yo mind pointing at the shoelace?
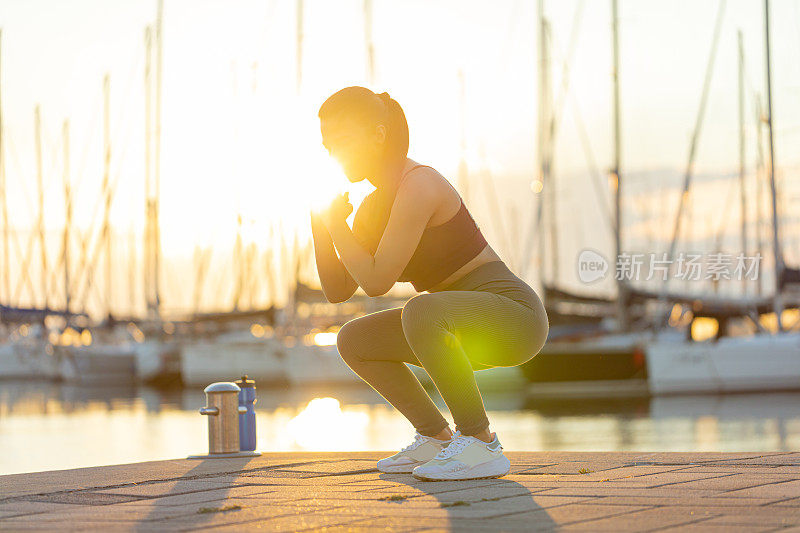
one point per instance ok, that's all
(458, 443)
(418, 439)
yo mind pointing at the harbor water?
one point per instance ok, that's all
(46, 426)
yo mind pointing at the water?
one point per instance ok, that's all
(47, 426)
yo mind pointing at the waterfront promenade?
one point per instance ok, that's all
(588, 491)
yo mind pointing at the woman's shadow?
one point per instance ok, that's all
(204, 496)
(498, 504)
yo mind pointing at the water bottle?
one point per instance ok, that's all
(247, 416)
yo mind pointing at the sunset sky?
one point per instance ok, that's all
(239, 139)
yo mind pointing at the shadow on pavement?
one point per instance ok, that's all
(494, 504)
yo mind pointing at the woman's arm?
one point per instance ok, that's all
(414, 204)
(337, 284)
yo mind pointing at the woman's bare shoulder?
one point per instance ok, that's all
(429, 181)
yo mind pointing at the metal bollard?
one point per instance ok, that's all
(222, 409)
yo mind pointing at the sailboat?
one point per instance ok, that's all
(594, 355)
(764, 361)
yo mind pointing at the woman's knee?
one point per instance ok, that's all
(347, 341)
(419, 313)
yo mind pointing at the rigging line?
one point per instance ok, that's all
(112, 189)
(83, 269)
(494, 204)
(34, 232)
(512, 26)
(26, 275)
(15, 233)
(732, 187)
(591, 162)
(25, 267)
(94, 122)
(135, 64)
(552, 126)
(697, 130)
(99, 202)
(89, 268)
(555, 118)
(797, 19)
(11, 147)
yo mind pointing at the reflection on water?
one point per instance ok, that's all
(47, 426)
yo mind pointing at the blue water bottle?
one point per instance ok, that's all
(247, 421)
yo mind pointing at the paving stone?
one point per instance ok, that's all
(756, 519)
(167, 488)
(603, 489)
(774, 490)
(791, 502)
(745, 469)
(639, 520)
(337, 467)
(21, 507)
(709, 526)
(681, 500)
(201, 496)
(730, 482)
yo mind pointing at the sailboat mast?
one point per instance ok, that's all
(299, 44)
(776, 248)
(759, 183)
(742, 147)
(40, 184)
(622, 294)
(157, 161)
(550, 189)
(148, 231)
(107, 186)
(544, 120)
(4, 204)
(238, 264)
(68, 221)
(370, 49)
(463, 173)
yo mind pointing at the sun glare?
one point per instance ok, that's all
(322, 426)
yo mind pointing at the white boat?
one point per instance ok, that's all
(229, 356)
(314, 364)
(97, 363)
(731, 364)
(29, 359)
(158, 361)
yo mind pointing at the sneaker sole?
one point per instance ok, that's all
(489, 470)
(400, 469)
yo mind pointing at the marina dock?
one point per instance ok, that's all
(591, 491)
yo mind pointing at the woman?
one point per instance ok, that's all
(477, 313)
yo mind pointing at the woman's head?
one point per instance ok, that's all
(366, 132)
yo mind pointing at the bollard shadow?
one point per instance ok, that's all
(196, 498)
(499, 504)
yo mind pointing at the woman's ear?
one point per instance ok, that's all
(380, 133)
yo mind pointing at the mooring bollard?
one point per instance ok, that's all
(247, 418)
(222, 409)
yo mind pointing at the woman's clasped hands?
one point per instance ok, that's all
(338, 210)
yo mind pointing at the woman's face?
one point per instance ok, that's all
(358, 149)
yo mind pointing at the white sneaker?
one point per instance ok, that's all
(422, 450)
(465, 458)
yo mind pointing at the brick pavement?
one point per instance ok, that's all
(587, 491)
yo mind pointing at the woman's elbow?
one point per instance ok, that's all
(378, 289)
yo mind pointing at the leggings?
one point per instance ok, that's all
(487, 318)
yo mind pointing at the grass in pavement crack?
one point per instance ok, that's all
(205, 510)
(454, 504)
(394, 498)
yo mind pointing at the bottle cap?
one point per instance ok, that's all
(245, 382)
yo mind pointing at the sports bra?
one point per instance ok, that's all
(442, 249)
